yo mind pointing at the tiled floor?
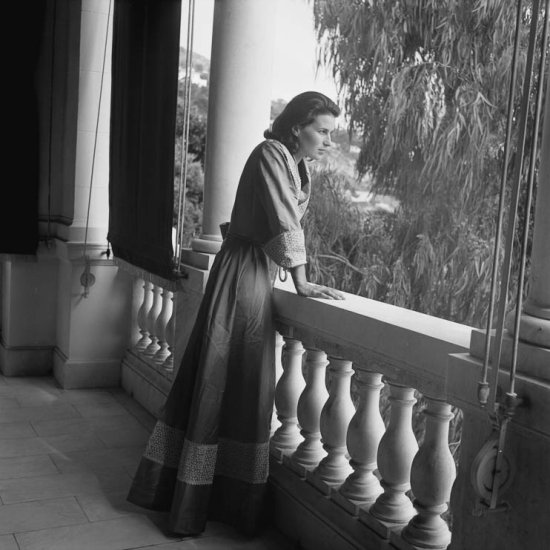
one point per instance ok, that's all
(66, 461)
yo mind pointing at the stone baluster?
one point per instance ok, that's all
(311, 401)
(137, 303)
(154, 312)
(395, 455)
(160, 327)
(170, 335)
(278, 373)
(364, 433)
(335, 418)
(288, 390)
(143, 316)
(432, 475)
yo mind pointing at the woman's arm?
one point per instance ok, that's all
(311, 290)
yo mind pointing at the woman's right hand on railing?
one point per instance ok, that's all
(311, 290)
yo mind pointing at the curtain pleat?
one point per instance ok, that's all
(145, 63)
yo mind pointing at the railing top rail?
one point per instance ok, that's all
(410, 347)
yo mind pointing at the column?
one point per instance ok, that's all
(91, 335)
(238, 107)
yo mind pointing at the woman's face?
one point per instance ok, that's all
(314, 139)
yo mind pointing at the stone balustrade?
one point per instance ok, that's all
(155, 324)
(350, 382)
(347, 383)
(345, 451)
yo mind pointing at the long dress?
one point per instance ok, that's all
(208, 454)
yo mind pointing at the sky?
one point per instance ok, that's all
(294, 64)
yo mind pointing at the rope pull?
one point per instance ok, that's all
(107, 252)
(87, 279)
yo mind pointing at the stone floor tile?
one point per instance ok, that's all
(17, 382)
(192, 543)
(103, 506)
(36, 397)
(125, 437)
(22, 447)
(27, 466)
(133, 407)
(225, 538)
(67, 443)
(60, 485)
(97, 424)
(43, 412)
(62, 426)
(116, 534)
(98, 460)
(40, 514)
(16, 430)
(8, 403)
(106, 409)
(7, 542)
(88, 396)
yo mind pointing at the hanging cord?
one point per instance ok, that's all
(511, 400)
(483, 385)
(502, 413)
(182, 187)
(512, 216)
(527, 207)
(87, 279)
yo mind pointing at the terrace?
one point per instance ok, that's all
(97, 339)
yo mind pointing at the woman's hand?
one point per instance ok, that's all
(311, 290)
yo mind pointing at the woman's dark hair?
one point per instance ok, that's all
(300, 111)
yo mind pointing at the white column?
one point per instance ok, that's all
(535, 318)
(91, 191)
(238, 107)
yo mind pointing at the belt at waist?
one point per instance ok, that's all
(248, 240)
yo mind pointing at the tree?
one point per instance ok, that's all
(425, 84)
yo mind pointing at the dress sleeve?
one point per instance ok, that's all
(278, 195)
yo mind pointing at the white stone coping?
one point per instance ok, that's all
(408, 347)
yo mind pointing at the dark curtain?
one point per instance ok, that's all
(143, 117)
(19, 197)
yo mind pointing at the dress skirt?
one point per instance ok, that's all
(208, 455)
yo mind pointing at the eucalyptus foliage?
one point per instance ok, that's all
(426, 86)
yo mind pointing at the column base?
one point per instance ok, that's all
(25, 361)
(533, 330)
(210, 244)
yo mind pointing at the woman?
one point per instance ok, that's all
(208, 455)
